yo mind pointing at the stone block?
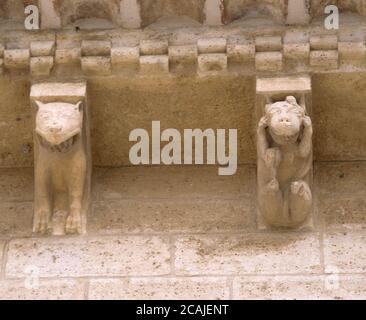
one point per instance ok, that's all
(269, 61)
(327, 59)
(207, 288)
(241, 52)
(344, 252)
(323, 287)
(42, 48)
(154, 47)
(41, 66)
(154, 64)
(16, 58)
(95, 48)
(351, 50)
(268, 44)
(172, 216)
(212, 45)
(296, 51)
(212, 62)
(68, 56)
(183, 54)
(83, 257)
(324, 43)
(44, 290)
(96, 66)
(125, 56)
(248, 254)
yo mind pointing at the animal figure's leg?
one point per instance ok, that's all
(300, 201)
(271, 203)
(76, 184)
(43, 201)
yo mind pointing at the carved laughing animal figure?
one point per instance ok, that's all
(285, 161)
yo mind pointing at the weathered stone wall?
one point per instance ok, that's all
(119, 105)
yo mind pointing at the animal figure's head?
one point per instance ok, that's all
(284, 120)
(58, 125)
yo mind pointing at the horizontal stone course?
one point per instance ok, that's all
(342, 213)
(345, 252)
(174, 182)
(341, 179)
(325, 51)
(330, 286)
(171, 216)
(206, 288)
(16, 219)
(269, 253)
(41, 290)
(81, 257)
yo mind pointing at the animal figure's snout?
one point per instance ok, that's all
(284, 120)
(55, 129)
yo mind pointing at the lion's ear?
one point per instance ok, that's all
(39, 104)
(79, 106)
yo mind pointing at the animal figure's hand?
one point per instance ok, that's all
(263, 123)
(306, 121)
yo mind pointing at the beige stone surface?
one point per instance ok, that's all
(205, 288)
(338, 102)
(16, 184)
(343, 213)
(45, 290)
(300, 287)
(248, 254)
(188, 182)
(345, 251)
(16, 219)
(171, 216)
(211, 103)
(341, 179)
(73, 257)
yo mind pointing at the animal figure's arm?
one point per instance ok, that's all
(305, 145)
(262, 143)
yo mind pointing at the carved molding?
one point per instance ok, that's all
(295, 52)
(62, 158)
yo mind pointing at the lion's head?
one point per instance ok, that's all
(284, 120)
(58, 125)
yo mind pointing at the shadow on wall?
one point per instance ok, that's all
(74, 10)
(357, 6)
(13, 9)
(236, 9)
(153, 10)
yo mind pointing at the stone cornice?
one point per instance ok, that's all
(206, 51)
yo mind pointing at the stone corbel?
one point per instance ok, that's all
(62, 158)
(285, 154)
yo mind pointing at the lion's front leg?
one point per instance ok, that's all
(76, 192)
(43, 202)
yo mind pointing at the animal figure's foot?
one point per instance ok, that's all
(73, 222)
(301, 189)
(300, 202)
(42, 223)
